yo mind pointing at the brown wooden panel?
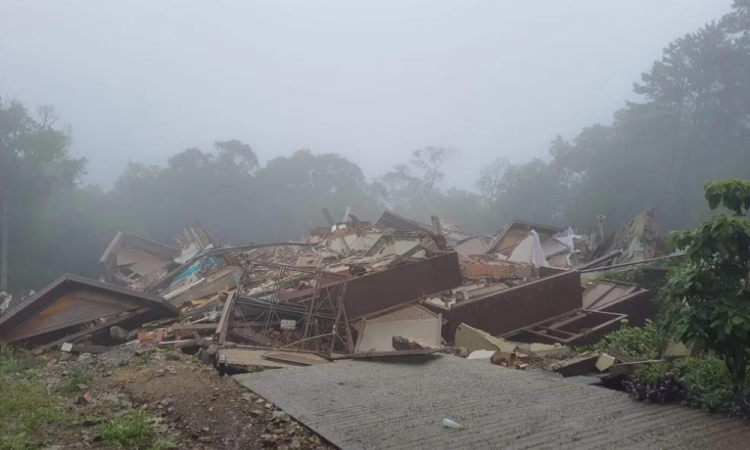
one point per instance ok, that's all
(76, 307)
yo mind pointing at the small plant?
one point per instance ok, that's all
(130, 431)
(77, 377)
(645, 342)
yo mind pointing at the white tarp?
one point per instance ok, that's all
(567, 238)
(530, 251)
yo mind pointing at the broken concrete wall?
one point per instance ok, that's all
(517, 307)
(413, 322)
(473, 246)
(498, 270)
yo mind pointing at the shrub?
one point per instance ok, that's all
(709, 290)
(645, 342)
(707, 382)
(655, 383)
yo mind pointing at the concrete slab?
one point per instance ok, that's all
(400, 404)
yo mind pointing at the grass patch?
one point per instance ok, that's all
(13, 361)
(25, 404)
(77, 376)
(25, 407)
(130, 431)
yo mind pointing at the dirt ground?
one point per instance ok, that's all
(192, 406)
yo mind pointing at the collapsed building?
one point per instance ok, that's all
(351, 289)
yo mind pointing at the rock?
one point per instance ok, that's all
(160, 373)
(295, 444)
(206, 429)
(118, 334)
(144, 351)
(256, 412)
(205, 439)
(82, 387)
(85, 357)
(280, 415)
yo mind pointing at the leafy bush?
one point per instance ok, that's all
(130, 431)
(653, 373)
(655, 382)
(645, 342)
(707, 382)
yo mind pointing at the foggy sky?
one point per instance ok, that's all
(371, 81)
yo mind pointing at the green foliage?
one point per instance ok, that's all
(25, 407)
(77, 376)
(710, 291)
(645, 342)
(13, 360)
(130, 431)
(654, 373)
(707, 382)
(733, 194)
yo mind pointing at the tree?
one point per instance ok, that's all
(34, 161)
(428, 162)
(409, 188)
(710, 291)
(491, 183)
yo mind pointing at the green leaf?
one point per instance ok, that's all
(713, 200)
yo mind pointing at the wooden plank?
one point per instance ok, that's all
(83, 348)
(194, 326)
(295, 358)
(226, 318)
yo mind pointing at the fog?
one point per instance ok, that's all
(371, 81)
(250, 117)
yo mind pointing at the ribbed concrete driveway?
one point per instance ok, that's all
(398, 405)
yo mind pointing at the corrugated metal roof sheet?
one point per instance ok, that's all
(453, 232)
(400, 405)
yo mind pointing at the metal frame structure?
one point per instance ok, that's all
(323, 324)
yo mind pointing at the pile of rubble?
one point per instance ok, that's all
(349, 290)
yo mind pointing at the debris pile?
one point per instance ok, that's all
(351, 289)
